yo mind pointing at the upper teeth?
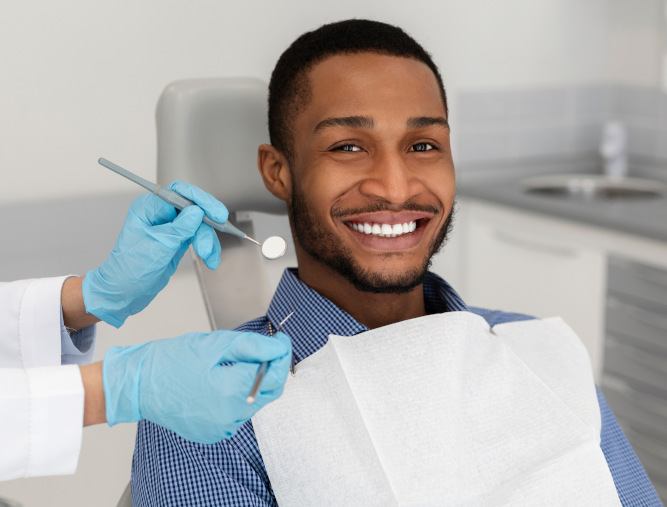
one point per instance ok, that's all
(384, 230)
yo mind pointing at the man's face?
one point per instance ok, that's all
(373, 178)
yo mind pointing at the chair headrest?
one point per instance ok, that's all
(208, 131)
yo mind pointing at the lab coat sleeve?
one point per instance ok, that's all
(31, 329)
(41, 402)
(41, 420)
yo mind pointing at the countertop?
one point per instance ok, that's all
(642, 217)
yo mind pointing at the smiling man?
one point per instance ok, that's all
(360, 152)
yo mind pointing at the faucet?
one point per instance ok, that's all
(613, 149)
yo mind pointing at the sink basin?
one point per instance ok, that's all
(594, 186)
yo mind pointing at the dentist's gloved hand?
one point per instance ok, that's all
(180, 383)
(148, 250)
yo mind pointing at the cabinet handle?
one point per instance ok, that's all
(538, 247)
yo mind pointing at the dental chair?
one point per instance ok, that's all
(208, 131)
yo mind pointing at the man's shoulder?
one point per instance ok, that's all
(494, 317)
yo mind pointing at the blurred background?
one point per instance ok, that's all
(559, 124)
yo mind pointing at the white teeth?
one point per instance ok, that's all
(384, 230)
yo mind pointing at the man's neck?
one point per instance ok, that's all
(370, 309)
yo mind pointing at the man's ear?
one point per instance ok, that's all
(275, 171)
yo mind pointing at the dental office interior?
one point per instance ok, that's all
(558, 114)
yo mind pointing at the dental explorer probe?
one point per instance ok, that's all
(272, 248)
(261, 371)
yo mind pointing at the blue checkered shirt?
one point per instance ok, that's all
(169, 471)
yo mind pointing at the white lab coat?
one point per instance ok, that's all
(41, 401)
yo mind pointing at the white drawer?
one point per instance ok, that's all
(646, 413)
(636, 325)
(644, 371)
(645, 284)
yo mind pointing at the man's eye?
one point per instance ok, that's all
(347, 147)
(422, 147)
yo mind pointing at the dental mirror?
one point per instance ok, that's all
(274, 247)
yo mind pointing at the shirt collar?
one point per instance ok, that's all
(315, 317)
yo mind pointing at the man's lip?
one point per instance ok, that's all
(388, 217)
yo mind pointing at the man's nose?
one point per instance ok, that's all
(390, 179)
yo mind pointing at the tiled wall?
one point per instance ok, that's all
(644, 111)
(551, 123)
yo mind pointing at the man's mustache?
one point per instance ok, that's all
(381, 206)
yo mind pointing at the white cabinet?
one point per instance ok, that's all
(514, 260)
(517, 262)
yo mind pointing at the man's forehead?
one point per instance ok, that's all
(346, 64)
(360, 83)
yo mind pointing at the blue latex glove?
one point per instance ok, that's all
(181, 384)
(148, 250)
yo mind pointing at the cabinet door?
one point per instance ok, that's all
(531, 270)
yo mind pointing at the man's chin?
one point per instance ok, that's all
(386, 282)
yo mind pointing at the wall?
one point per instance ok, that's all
(636, 42)
(500, 128)
(80, 79)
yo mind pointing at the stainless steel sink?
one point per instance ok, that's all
(594, 186)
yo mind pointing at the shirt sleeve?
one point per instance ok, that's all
(632, 484)
(76, 347)
(41, 420)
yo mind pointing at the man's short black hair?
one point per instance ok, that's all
(289, 89)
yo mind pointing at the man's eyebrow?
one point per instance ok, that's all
(426, 121)
(345, 121)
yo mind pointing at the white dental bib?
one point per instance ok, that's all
(438, 411)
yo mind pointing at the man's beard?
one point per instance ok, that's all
(325, 247)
